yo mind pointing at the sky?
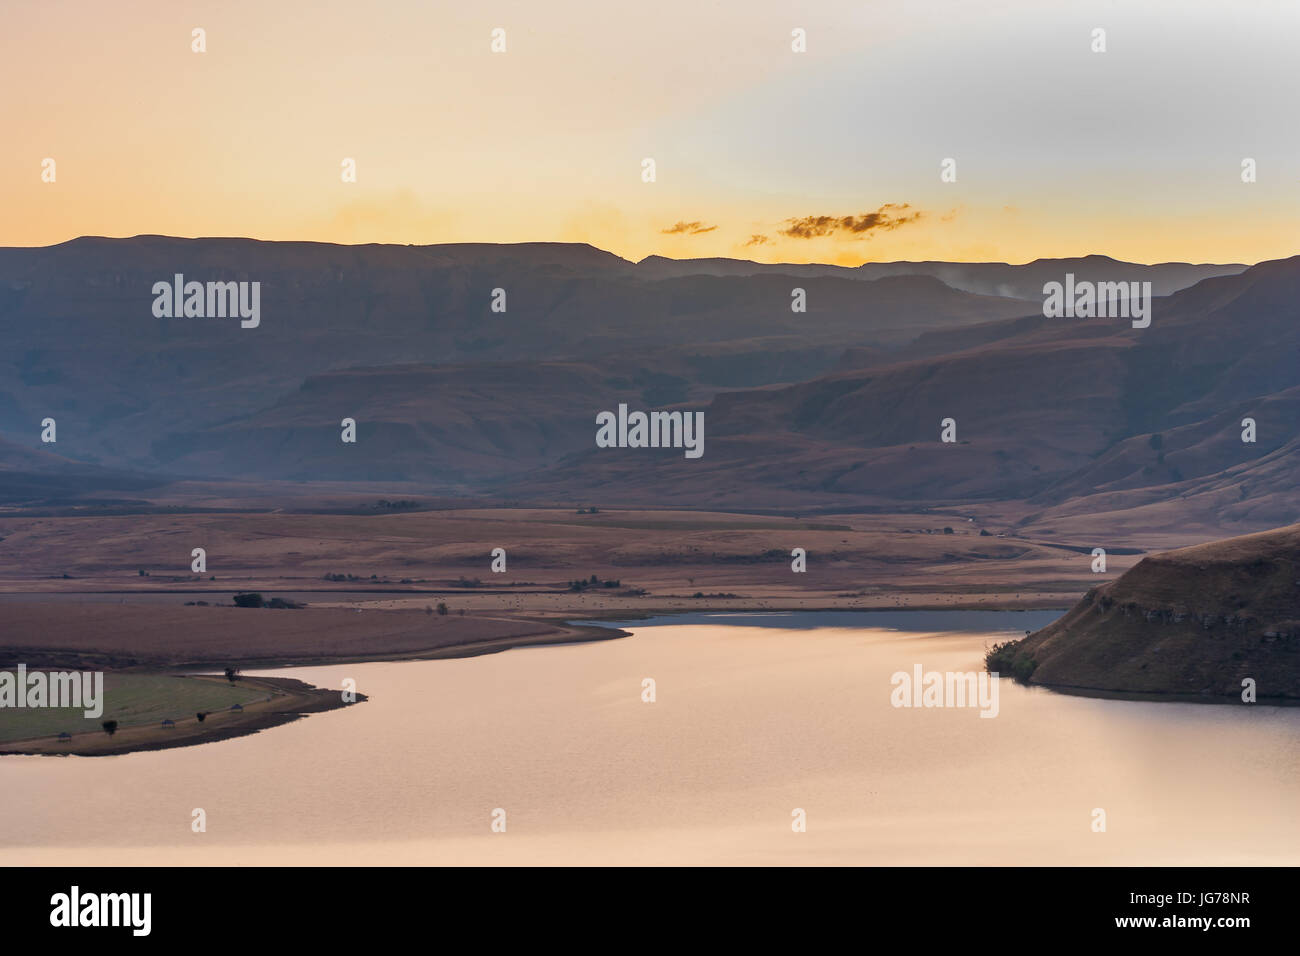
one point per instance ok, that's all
(834, 154)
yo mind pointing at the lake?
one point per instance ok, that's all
(755, 717)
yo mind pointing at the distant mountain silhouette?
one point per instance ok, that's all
(985, 278)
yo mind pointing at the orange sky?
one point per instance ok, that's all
(1135, 152)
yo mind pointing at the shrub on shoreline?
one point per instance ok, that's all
(1004, 658)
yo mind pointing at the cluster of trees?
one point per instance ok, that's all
(1005, 658)
(592, 582)
(255, 599)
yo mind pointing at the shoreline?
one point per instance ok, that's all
(1166, 697)
(288, 700)
(291, 699)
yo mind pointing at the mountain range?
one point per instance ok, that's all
(836, 407)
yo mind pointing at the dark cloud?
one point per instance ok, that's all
(888, 217)
(684, 228)
(756, 240)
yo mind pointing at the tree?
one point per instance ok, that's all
(110, 727)
(252, 599)
(201, 716)
(442, 607)
(232, 674)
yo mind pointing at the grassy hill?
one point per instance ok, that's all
(1196, 621)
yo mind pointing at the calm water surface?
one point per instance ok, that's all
(751, 722)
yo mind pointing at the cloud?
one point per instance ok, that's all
(756, 240)
(888, 217)
(683, 228)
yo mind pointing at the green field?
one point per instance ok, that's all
(130, 699)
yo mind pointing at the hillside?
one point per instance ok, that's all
(1195, 621)
(84, 346)
(1047, 410)
(1094, 423)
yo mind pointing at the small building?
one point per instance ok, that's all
(237, 707)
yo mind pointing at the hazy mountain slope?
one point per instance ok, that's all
(985, 278)
(447, 425)
(1258, 493)
(836, 407)
(1055, 408)
(85, 347)
(33, 475)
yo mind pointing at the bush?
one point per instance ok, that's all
(1023, 668)
(252, 599)
(593, 582)
(1005, 658)
(110, 727)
